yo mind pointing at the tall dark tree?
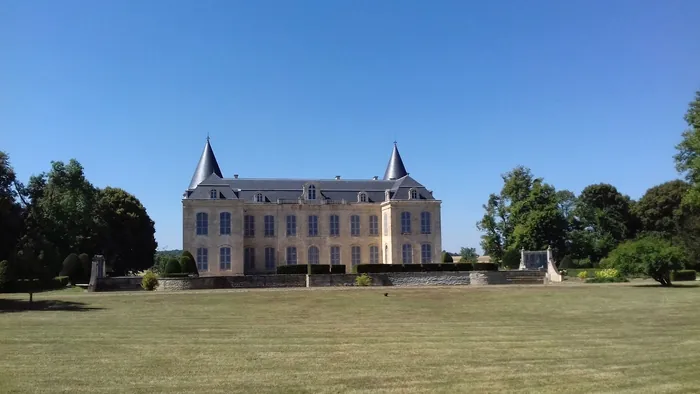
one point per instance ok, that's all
(126, 234)
(603, 218)
(659, 210)
(11, 213)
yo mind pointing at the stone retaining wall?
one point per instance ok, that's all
(454, 278)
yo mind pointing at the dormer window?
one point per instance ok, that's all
(362, 197)
(413, 194)
(213, 194)
(259, 197)
(311, 194)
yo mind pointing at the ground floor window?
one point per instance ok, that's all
(225, 259)
(202, 259)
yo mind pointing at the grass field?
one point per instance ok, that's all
(563, 338)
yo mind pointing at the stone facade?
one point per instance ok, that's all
(237, 226)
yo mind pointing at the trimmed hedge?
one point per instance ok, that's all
(485, 266)
(337, 269)
(682, 275)
(464, 267)
(386, 268)
(173, 267)
(447, 258)
(36, 285)
(448, 267)
(176, 275)
(187, 265)
(317, 269)
(291, 269)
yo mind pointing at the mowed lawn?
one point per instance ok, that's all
(536, 339)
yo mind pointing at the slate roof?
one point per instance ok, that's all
(395, 169)
(290, 190)
(207, 165)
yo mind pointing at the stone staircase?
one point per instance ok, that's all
(525, 277)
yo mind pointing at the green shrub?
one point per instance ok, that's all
(60, 282)
(372, 268)
(412, 268)
(71, 268)
(188, 254)
(650, 256)
(608, 273)
(447, 258)
(176, 275)
(173, 267)
(582, 275)
(6, 276)
(464, 267)
(448, 267)
(291, 269)
(683, 275)
(363, 280)
(430, 267)
(614, 279)
(86, 266)
(337, 269)
(187, 265)
(149, 281)
(485, 267)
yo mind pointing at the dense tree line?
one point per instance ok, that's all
(58, 220)
(583, 230)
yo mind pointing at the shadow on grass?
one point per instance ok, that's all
(10, 305)
(676, 285)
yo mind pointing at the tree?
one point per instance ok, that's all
(688, 156)
(525, 214)
(86, 266)
(125, 232)
(469, 255)
(11, 212)
(602, 219)
(659, 209)
(188, 265)
(651, 256)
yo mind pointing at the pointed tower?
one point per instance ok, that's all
(207, 165)
(395, 169)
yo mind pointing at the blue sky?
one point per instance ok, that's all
(579, 91)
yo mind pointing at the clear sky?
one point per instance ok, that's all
(579, 91)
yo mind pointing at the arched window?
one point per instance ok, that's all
(202, 223)
(259, 197)
(407, 254)
(413, 194)
(362, 197)
(355, 255)
(312, 192)
(313, 255)
(224, 258)
(374, 254)
(213, 194)
(335, 255)
(426, 254)
(291, 255)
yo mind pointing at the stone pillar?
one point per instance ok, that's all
(522, 259)
(97, 272)
(549, 254)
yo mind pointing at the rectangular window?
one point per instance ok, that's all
(249, 259)
(407, 254)
(270, 259)
(291, 255)
(335, 255)
(426, 254)
(373, 225)
(425, 222)
(291, 226)
(374, 254)
(224, 259)
(405, 222)
(355, 255)
(269, 226)
(334, 223)
(355, 225)
(249, 226)
(225, 223)
(313, 226)
(202, 223)
(386, 224)
(202, 259)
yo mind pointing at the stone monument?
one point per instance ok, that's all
(97, 272)
(535, 259)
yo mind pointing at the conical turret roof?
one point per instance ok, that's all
(395, 169)
(207, 165)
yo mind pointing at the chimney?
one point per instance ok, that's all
(235, 176)
(337, 177)
(374, 178)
